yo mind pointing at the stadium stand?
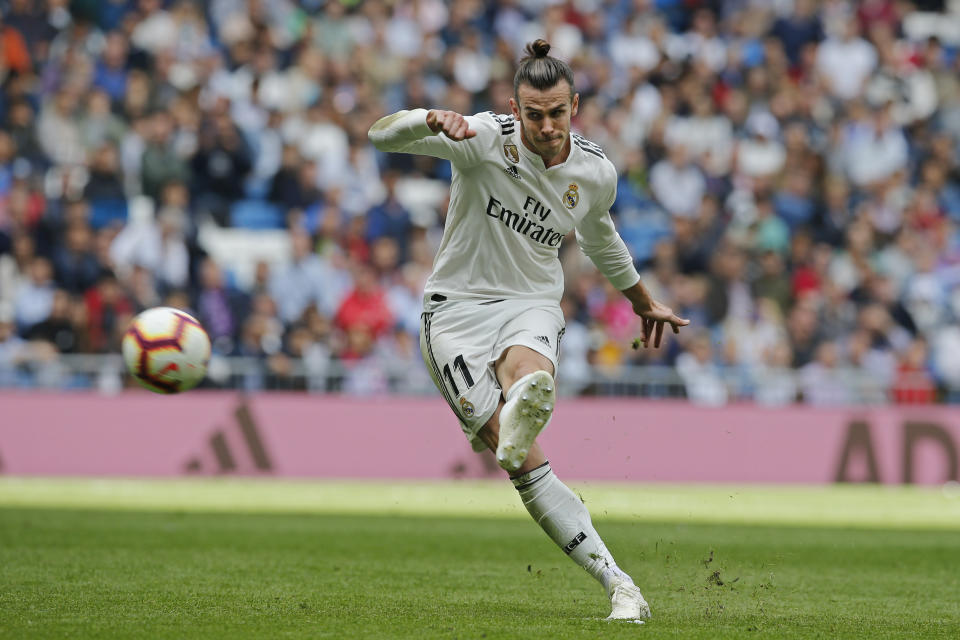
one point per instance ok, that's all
(789, 179)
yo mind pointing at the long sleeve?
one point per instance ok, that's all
(599, 240)
(407, 132)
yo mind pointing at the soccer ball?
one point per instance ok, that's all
(166, 350)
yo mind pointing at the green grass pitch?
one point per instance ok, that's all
(270, 559)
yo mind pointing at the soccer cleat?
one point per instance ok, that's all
(627, 603)
(523, 417)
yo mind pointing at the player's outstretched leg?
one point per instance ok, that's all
(528, 408)
(566, 520)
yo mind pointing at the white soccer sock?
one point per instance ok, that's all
(564, 518)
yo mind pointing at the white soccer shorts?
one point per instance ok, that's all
(461, 340)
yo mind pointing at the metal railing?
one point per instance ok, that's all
(708, 386)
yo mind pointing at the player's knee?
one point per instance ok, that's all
(532, 363)
(521, 362)
(527, 367)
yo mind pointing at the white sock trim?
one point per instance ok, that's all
(526, 480)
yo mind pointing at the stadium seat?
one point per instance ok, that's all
(103, 213)
(256, 214)
(239, 250)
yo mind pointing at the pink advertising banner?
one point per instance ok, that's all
(300, 435)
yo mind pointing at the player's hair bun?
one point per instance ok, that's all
(539, 48)
(540, 70)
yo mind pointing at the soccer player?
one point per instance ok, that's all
(492, 324)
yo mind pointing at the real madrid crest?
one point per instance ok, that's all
(467, 407)
(511, 153)
(572, 196)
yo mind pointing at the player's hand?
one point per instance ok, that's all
(654, 317)
(450, 123)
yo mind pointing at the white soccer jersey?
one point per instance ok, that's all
(508, 213)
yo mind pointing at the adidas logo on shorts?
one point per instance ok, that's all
(544, 339)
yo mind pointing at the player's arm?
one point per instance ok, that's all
(599, 240)
(442, 134)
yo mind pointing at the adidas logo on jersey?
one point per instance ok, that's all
(544, 339)
(513, 173)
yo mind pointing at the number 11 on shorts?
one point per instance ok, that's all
(460, 366)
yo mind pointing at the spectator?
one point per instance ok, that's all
(15, 268)
(822, 383)
(834, 214)
(220, 167)
(365, 371)
(365, 308)
(37, 30)
(157, 245)
(760, 155)
(914, 384)
(728, 294)
(307, 280)
(631, 49)
(109, 312)
(105, 186)
(142, 288)
(677, 184)
(266, 150)
(775, 381)
(877, 150)
(155, 29)
(945, 81)
(800, 28)
(389, 218)
(99, 125)
(57, 329)
(768, 232)
(772, 283)
(873, 365)
(701, 377)
(294, 186)
(160, 163)
(192, 41)
(58, 129)
(881, 290)
(21, 125)
(34, 299)
(802, 329)
(13, 349)
(794, 203)
(14, 51)
(845, 62)
(75, 264)
(111, 71)
(705, 135)
(220, 308)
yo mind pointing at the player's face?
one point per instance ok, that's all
(545, 117)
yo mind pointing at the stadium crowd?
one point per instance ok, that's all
(789, 179)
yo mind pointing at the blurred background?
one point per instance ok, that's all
(789, 180)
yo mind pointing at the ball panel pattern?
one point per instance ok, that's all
(166, 350)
